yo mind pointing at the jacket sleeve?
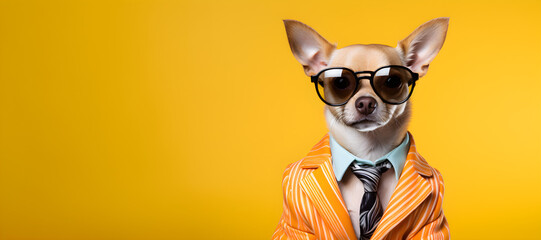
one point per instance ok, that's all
(285, 229)
(438, 227)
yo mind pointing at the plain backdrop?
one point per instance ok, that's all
(175, 119)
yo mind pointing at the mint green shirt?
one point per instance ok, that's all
(342, 158)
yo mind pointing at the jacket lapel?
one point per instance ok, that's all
(322, 189)
(412, 189)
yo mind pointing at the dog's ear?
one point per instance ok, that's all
(423, 44)
(308, 47)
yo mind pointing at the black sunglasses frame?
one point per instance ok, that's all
(414, 78)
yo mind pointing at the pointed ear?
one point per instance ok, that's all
(423, 44)
(308, 47)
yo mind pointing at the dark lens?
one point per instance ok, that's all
(336, 86)
(340, 83)
(392, 83)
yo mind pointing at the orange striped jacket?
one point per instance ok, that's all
(314, 208)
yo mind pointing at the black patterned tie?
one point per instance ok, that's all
(371, 210)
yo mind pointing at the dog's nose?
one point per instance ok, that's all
(366, 105)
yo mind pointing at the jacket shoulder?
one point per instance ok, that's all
(434, 176)
(438, 178)
(293, 173)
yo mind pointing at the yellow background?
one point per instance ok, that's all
(176, 119)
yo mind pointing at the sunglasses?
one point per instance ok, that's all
(393, 84)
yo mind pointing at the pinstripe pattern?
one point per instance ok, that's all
(314, 208)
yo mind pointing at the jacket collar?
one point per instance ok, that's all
(322, 188)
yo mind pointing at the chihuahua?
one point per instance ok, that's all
(366, 91)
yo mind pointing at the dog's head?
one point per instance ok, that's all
(365, 109)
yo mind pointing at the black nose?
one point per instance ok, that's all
(366, 105)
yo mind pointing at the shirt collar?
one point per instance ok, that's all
(342, 158)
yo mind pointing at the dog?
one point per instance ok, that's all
(366, 90)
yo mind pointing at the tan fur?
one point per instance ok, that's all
(387, 125)
(436, 30)
(312, 62)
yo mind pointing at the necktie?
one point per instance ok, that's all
(371, 211)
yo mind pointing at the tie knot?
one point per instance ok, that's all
(370, 175)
